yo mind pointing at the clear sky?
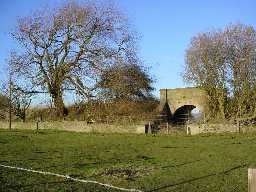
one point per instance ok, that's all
(165, 27)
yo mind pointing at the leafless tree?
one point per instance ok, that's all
(68, 47)
(21, 101)
(223, 63)
(3, 106)
(4, 99)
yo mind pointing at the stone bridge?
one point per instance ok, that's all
(176, 104)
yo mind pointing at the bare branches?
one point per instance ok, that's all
(64, 46)
(222, 62)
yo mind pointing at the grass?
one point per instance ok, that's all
(150, 163)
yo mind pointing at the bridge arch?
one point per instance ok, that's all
(183, 114)
(181, 102)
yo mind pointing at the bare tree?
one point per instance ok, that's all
(223, 63)
(3, 106)
(68, 47)
(4, 99)
(21, 100)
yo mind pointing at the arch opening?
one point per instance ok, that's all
(183, 114)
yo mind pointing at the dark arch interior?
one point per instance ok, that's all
(183, 114)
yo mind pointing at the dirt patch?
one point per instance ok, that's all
(127, 173)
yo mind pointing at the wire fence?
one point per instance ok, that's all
(193, 184)
(70, 178)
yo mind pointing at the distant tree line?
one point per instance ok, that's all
(223, 62)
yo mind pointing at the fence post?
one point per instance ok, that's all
(10, 101)
(37, 126)
(251, 180)
(107, 120)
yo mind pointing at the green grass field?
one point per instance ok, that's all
(149, 163)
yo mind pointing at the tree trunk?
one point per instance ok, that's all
(59, 104)
(24, 115)
(221, 108)
(221, 103)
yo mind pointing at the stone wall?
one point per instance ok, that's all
(77, 126)
(219, 128)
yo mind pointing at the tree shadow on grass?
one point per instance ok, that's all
(175, 147)
(198, 178)
(20, 186)
(65, 185)
(113, 161)
(181, 164)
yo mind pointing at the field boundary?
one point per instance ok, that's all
(70, 178)
(76, 126)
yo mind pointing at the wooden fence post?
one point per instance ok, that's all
(37, 126)
(238, 125)
(251, 180)
(10, 101)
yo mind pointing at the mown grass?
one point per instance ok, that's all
(149, 163)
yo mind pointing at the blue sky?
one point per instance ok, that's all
(165, 27)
